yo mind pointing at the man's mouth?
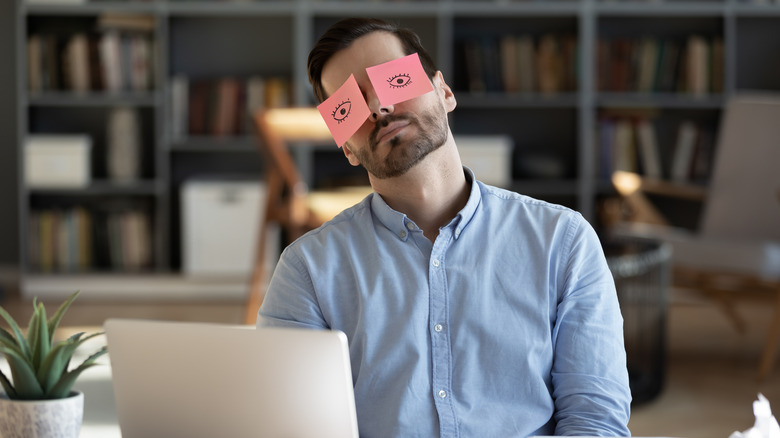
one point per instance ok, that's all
(389, 130)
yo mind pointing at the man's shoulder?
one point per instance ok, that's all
(507, 197)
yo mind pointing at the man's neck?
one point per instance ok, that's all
(431, 193)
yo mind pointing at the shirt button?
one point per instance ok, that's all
(442, 393)
(438, 327)
(410, 226)
(436, 263)
(403, 234)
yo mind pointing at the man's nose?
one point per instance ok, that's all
(377, 109)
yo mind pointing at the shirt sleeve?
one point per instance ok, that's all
(291, 299)
(589, 375)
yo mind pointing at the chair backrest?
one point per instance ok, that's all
(742, 200)
(278, 127)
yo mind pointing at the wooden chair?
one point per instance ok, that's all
(289, 203)
(735, 252)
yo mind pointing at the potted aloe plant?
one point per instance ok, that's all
(38, 399)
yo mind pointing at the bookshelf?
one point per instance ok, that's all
(558, 126)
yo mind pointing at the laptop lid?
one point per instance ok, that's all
(174, 379)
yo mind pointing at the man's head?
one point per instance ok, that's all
(395, 137)
(342, 34)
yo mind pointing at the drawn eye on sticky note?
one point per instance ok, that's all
(399, 80)
(344, 111)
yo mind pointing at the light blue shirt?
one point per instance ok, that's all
(507, 325)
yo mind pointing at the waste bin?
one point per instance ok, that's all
(641, 269)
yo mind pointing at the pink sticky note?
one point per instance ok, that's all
(344, 111)
(399, 80)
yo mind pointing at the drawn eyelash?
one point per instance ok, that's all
(342, 111)
(400, 80)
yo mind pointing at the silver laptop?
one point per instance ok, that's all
(174, 379)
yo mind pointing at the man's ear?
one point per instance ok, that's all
(353, 160)
(444, 90)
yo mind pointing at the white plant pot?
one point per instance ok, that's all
(42, 418)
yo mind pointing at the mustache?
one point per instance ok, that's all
(372, 138)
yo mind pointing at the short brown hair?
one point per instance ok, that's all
(342, 34)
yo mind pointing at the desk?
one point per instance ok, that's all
(100, 418)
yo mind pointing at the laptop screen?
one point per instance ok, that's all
(178, 379)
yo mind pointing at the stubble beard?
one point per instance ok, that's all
(432, 134)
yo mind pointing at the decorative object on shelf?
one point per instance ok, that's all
(124, 145)
(39, 400)
(57, 161)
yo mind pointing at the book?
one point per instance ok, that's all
(648, 147)
(509, 64)
(491, 64)
(697, 65)
(603, 62)
(278, 92)
(198, 101)
(549, 64)
(683, 152)
(475, 77)
(111, 60)
(526, 60)
(606, 140)
(51, 72)
(254, 99)
(226, 114)
(570, 63)
(648, 58)
(624, 146)
(123, 156)
(34, 64)
(76, 63)
(179, 107)
(718, 65)
(139, 61)
(668, 66)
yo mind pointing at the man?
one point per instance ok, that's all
(470, 310)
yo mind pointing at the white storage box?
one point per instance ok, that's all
(489, 156)
(57, 161)
(220, 224)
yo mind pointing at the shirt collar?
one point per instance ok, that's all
(400, 225)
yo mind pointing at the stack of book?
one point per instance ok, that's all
(222, 106)
(630, 143)
(78, 240)
(694, 65)
(118, 55)
(521, 63)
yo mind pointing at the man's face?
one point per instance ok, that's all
(395, 137)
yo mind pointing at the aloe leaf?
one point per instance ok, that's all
(41, 343)
(32, 329)
(23, 346)
(54, 365)
(7, 386)
(54, 321)
(64, 385)
(25, 382)
(56, 362)
(7, 338)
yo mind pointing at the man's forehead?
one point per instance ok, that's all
(369, 50)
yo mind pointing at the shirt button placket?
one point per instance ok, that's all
(442, 362)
